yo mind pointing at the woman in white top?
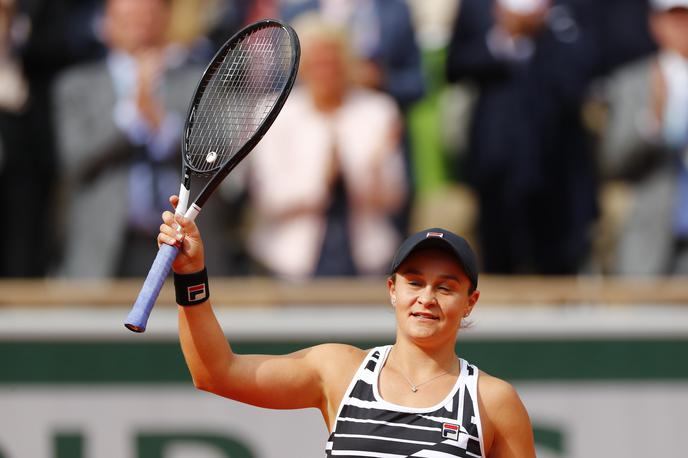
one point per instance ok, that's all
(413, 398)
(330, 167)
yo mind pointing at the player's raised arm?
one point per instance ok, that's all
(297, 380)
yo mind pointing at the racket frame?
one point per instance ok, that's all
(138, 317)
(224, 169)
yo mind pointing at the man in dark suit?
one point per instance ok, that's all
(529, 160)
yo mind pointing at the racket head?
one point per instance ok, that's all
(237, 99)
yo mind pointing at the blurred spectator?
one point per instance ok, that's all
(205, 25)
(256, 10)
(37, 39)
(388, 59)
(623, 32)
(329, 175)
(646, 145)
(119, 122)
(227, 17)
(382, 38)
(528, 160)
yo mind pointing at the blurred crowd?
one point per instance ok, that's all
(553, 134)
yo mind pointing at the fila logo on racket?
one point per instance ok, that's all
(196, 293)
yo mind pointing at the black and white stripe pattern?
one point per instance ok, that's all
(368, 426)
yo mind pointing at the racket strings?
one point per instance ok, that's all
(242, 91)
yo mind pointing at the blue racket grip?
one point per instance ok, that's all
(138, 316)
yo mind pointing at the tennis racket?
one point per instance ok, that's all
(238, 97)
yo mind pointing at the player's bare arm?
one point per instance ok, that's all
(313, 377)
(506, 426)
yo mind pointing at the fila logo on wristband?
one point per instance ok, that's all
(191, 289)
(196, 293)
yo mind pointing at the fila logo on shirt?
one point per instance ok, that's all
(196, 292)
(450, 431)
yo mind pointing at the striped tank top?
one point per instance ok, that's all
(369, 426)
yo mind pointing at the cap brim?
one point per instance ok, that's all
(426, 244)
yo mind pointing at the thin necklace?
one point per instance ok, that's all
(414, 387)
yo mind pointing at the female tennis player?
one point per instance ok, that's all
(413, 398)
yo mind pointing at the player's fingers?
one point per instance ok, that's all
(171, 232)
(170, 226)
(168, 218)
(167, 239)
(188, 226)
(174, 200)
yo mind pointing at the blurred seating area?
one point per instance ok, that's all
(264, 294)
(553, 134)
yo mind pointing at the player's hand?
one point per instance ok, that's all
(179, 231)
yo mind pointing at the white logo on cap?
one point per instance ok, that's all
(434, 234)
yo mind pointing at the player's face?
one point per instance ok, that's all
(431, 296)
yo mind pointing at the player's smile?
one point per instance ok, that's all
(424, 316)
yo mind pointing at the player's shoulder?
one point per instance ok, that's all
(504, 417)
(336, 359)
(495, 392)
(338, 353)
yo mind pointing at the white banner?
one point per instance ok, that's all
(576, 420)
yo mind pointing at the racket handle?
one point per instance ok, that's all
(138, 316)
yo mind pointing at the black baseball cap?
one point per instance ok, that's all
(444, 240)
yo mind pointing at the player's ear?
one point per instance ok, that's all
(391, 288)
(473, 299)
